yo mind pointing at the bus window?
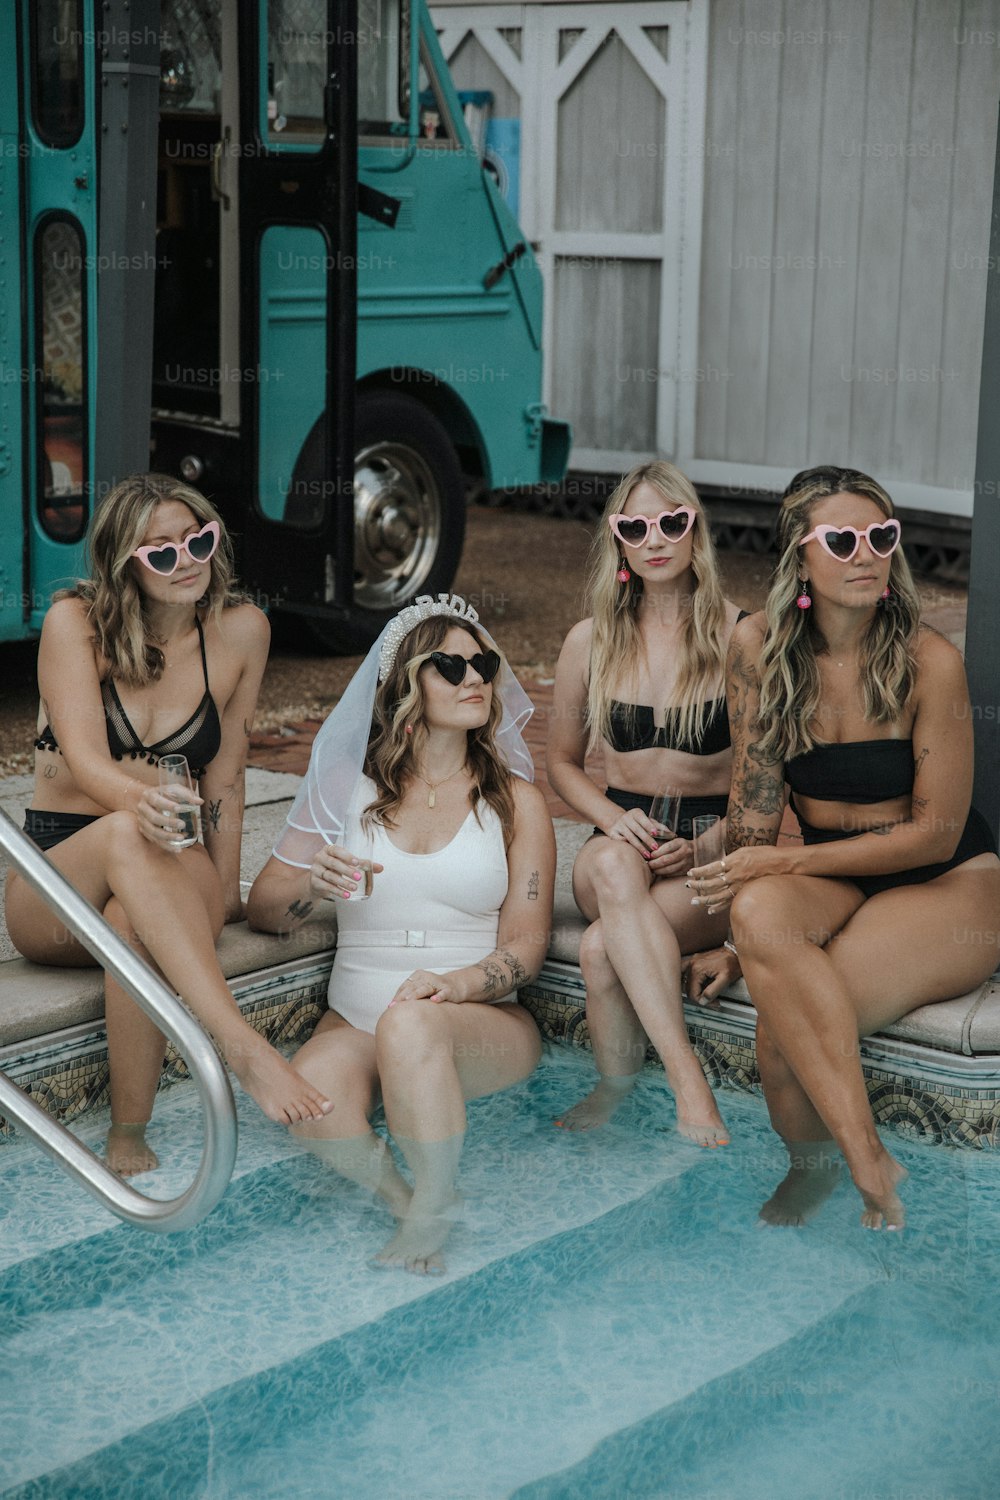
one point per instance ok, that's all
(57, 71)
(380, 105)
(60, 410)
(190, 58)
(296, 72)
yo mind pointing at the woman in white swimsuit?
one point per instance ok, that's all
(424, 778)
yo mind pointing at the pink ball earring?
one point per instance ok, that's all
(886, 592)
(804, 601)
(623, 575)
(408, 729)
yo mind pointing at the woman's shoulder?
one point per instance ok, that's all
(241, 627)
(937, 659)
(578, 638)
(748, 634)
(529, 802)
(67, 614)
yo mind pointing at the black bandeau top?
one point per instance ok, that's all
(199, 737)
(633, 727)
(855, 771)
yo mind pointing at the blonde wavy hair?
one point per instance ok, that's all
(616, 643)
(393, 754)
(789, 676)
(115, 604)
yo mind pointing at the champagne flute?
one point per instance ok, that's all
(665, 809)
(175, 780)
(709, 838)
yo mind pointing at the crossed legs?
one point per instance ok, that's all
(426, 1060)
(630, 957)
(825, 967)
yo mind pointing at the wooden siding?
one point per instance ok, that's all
(848, 178)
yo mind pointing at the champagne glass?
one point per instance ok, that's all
(175, 780)
(665, 809)
(709, 838)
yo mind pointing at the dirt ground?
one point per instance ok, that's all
(525, 574)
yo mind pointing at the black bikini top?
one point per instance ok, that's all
(199, 737)
(632, 728)
(854, 771)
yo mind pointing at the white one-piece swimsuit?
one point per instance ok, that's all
(437, 911)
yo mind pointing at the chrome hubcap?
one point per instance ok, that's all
(397, 525)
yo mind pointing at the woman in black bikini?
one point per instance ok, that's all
(643, 680)
(156, 653)
(865, 712)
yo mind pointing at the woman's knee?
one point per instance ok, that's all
(410, 1030)
(613, 868)
(761, 908)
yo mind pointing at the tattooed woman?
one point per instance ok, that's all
(154, 653)
(419, 789)
(642, 681)
(893, 898)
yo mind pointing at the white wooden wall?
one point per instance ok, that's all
(848, 185)
(772, 254)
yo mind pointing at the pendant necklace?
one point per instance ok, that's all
(433, 785)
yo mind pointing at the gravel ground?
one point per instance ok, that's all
(524, 573)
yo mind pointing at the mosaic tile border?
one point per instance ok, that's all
(67, 1073)
(951, 1099)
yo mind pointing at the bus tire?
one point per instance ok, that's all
(409, 513)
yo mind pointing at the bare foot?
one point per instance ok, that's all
(698, 1118)
(599, 1105)
(812, 1176)
(416, 1245)
(127, 1153)
(711, 1135)
(282, 1094)
(877, 1185)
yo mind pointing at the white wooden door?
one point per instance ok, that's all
(611, 101)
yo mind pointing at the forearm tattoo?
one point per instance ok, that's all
(758, 790)
(213, 814)
(503, 972)
(299, 910)
(533, 886)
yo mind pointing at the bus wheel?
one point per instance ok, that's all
(409, 513)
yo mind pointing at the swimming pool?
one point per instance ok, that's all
(613, 1323)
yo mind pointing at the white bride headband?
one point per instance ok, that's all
(319, 813)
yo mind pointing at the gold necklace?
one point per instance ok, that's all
(433, 785)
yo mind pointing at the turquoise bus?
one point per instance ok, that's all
(253, 243)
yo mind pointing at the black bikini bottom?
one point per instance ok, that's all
(691, 807)
(47, 829)
(976, 839)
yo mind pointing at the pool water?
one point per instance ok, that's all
(613, 1323)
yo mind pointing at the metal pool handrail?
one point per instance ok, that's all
(148, 991)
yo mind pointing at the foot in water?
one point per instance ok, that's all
(127, 1153)
(416, 1245)
(813, 1173)
(698, 1119)
(282, 1094)
(599, 1105)
(877, 1182)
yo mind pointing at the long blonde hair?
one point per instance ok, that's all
(392, 753)
(115, 603)
(789, 676)
(616, 642)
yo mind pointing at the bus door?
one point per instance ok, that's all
(48, 274)
(297, 176)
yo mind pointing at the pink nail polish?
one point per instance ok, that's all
(357, 874)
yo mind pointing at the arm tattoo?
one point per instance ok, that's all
(920, 760)
(299, 910)
(742, 835)
(503, 972)
(533, 886)
(494, 980)
(518, 973)
(761, 791)
(214, 810)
